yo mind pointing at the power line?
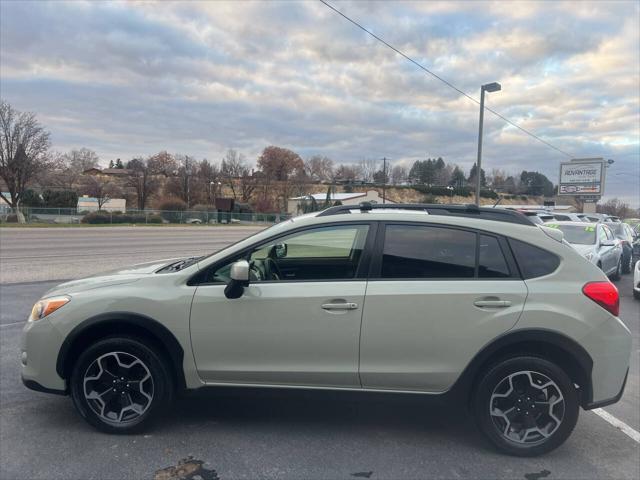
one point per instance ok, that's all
(438, 77)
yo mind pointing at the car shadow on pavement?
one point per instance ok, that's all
(353, 412)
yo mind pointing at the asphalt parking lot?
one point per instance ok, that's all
(250, 433)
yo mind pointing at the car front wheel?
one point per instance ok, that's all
(526, 406)
(120, 384)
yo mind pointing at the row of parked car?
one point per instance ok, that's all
(604, 240)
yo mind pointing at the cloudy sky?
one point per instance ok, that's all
(133, 78)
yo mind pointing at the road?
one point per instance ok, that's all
(37, 254)
(252, 433)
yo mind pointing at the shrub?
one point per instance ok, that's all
(172, 209)
(429, 199)
(60, 198)
(98, 217)
(102, 217)
(488, 194)
(31, 199)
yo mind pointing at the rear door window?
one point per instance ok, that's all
(414, 251)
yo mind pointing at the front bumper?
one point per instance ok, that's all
(40, 345)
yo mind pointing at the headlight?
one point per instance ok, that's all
(44, 307)
(588, 256)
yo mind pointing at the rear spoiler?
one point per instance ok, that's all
(554, 233)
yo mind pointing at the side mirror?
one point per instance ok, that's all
(280, 250)
(239, 279)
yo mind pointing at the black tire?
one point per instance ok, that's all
(618, 273)
(493, 426)
(636, 295)
(627, 264)
(146, 375)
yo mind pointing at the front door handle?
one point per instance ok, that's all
(339, 306)
(492, 303)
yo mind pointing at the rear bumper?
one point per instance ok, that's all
(608, 401)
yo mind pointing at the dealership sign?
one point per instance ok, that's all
(582, 177)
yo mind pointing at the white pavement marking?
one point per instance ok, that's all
(619, 424)
(14, 323)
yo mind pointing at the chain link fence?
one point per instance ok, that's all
(70, 216)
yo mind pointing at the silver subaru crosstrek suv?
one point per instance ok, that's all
(473, 305)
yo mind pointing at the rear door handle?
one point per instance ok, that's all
(492, 303)
(340, 306)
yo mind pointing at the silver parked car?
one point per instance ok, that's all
(595, 242)
(475, 306)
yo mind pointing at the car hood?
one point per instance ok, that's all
(128, 274)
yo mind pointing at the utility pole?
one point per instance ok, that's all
(384, 180)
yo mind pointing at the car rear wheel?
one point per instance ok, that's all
(526, 406)
(120, 384)
(628, 264)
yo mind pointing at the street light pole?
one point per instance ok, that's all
(489, 87)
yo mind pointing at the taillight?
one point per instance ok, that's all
(604, 294)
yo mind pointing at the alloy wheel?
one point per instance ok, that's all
(118, 387)
(527, 407)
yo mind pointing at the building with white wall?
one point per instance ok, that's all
(294, 205)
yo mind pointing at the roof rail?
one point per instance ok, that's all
(469, 210)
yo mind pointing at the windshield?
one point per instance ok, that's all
(577, 234)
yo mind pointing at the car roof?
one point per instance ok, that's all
(579, 224)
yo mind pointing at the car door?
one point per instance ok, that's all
(436, 296)
(607, 252)
(297, 325)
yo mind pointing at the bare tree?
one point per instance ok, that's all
(180, 183)
(368, 168)
(442, 176)
(398, 175)
(237, 176)
(101, 188)
(24, 145)
(71, 167)
(208, 180)
(319, 168)
(143, 179)
(348, 173)
(615, 207)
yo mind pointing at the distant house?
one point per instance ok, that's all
(91, 204)
(354, 198)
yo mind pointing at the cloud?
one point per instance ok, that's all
(199, 77)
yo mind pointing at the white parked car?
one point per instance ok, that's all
(475, 306)
(636, 281)
(595, 242)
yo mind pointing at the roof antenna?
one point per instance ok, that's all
(365, 206)
(496, 204)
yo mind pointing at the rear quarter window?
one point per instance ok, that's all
(533, 261)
